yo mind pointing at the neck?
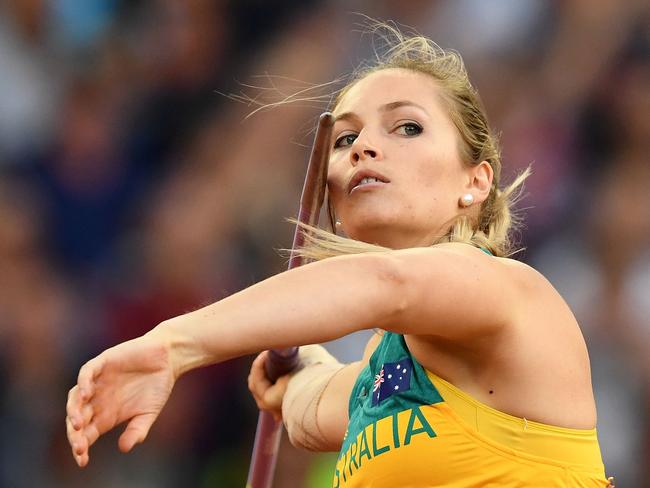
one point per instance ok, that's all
(399, 240)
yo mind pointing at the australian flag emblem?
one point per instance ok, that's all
(393, 378)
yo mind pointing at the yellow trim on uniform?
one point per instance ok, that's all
(576, 447)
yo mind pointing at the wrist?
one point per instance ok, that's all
(184, 351)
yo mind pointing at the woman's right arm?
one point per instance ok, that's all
(314, 401)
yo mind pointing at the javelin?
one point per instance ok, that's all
(283, 361)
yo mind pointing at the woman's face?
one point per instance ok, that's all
(392, 127)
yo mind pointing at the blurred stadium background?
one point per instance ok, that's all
(131, 191)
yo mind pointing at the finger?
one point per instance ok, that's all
(261, 403)
(82, 460)
(258, 391)
(259, 362)
(273, 396)
(87, 374)
(136, 431)
(79, 445)
(91, 433)
(80, 414)
(77, 442)
(258, 387)
(87, 414)
(101, 422)
(257, 379)
(73, 407)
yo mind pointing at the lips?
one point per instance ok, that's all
(365, 173)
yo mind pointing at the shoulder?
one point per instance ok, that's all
(470, 261)
(520, 289)
(525, 277)
(459, 291)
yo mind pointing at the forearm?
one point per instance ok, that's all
(307, 305)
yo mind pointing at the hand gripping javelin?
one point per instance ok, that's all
(283, 361)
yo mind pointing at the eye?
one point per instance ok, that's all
(345, 140)
(409, 129)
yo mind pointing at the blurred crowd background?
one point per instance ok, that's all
(132, 190)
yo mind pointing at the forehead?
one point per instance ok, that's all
(388, 85)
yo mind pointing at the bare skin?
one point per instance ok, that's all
(485, 324)
(535, 368)
(499, 371)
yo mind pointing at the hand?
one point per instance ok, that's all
(129, 382)
(267, 395)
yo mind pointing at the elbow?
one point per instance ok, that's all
(394, 288)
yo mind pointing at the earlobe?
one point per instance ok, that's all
(466, 200)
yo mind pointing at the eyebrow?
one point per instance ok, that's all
(387, 107)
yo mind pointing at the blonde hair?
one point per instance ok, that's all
(478, 143)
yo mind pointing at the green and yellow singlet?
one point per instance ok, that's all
(410, 428)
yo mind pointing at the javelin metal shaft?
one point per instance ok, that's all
(283, 361)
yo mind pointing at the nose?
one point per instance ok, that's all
(363, 149)
(358, 155)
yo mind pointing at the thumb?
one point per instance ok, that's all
(275, 393)
(136, 431)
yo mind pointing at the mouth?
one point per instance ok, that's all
(366, 179)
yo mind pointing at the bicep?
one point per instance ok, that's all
(332, 415)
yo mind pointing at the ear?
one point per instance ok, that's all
(480, 183)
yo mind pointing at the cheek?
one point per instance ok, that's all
(335, 176)
(335, 188)
(441, 165)
(430, 172)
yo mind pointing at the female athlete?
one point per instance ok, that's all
(477, 374)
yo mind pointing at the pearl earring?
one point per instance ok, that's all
(466, 200)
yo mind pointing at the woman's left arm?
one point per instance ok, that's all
(449, 290)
